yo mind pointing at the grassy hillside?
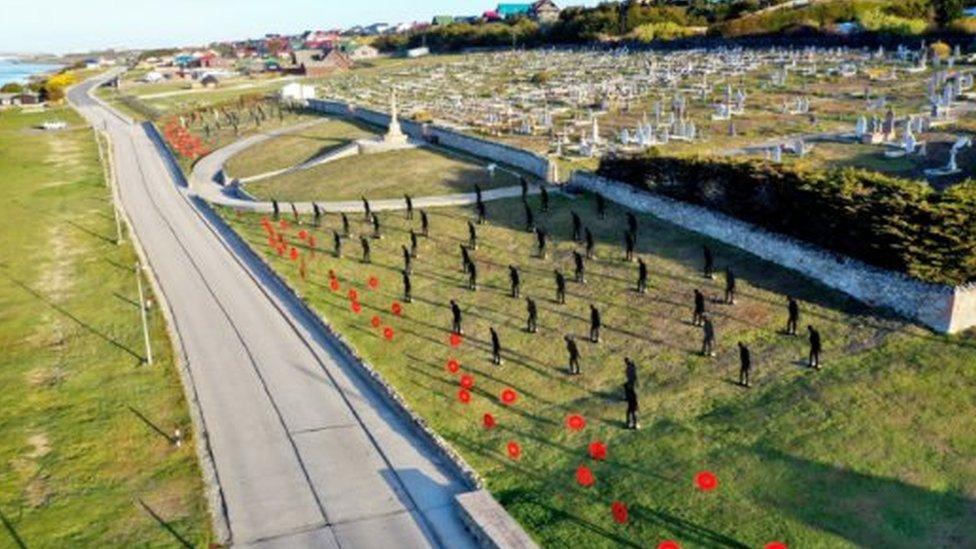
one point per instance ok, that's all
(295, 147)
(82, 462)
(874, 450)
(910, 17)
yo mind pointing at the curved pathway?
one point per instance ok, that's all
(299, 448)
(208, 174)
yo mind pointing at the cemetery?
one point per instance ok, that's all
(665, 274)
(605, 391)
(577, 105)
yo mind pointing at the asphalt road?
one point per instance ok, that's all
(306, 453)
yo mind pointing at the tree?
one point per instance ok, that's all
(54, 87)
(12, 87)
(947, 11)
(941, 50)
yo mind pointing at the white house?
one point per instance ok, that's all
(297, 92)
(364, 51)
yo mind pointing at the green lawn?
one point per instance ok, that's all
(287, 150)
(874, 450)
(421, 172)
(78, 460)
(203, 98)
(128, 105)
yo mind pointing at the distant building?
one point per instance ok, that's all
(545, 11)
(297, 92)
(513, 10)
(212, 60)
(28, 98)
(153, 76)
(417, 52)
(9, 99)
(376, 28)
(442, 20)
(184, 60)
(320, 39)
(316, 63)
(358, 52)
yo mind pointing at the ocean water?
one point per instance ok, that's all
(11, 71)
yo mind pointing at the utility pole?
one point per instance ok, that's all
(142, 311)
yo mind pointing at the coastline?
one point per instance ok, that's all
(12, 70)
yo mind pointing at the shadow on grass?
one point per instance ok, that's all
(183, 542)
(89, 232)
(685, 530)
(91, 329)
(151, 425)
(684, 247)
(14, 536)
(866, 510)
(514, 498)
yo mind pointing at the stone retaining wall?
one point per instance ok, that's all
(532, 163)
(942, 308)
(488, 522)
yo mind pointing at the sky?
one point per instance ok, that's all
(67, 26)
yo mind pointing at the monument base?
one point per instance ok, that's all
(381, 145)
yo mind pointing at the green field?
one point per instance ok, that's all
(293, 148)
(874, 450)
(421, 172)
(128, 105)
(82, 466)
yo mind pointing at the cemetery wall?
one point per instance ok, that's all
(496, 152)
(888, 222)
(943, 308)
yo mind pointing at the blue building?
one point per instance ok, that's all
(514, 10)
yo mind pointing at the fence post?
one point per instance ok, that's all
(142, 311)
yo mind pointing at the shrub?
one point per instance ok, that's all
(422, 117)
(661, 31)
(941, 50)
(911, 9)
(888, 222)
(875, 20)
(966, 25)
(55, 86)
(947, 11)
(541, 77)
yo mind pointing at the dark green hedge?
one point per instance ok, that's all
(892, 223)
